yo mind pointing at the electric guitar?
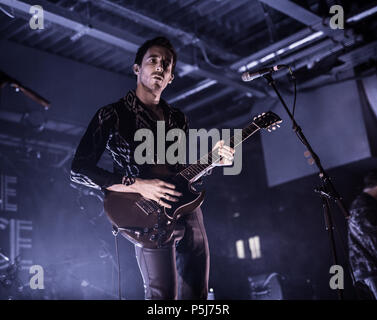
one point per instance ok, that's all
(147, 224)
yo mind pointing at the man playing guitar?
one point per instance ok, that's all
(179, 268)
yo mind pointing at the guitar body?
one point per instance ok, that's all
(143, 221)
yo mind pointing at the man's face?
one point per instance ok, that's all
(155, 71)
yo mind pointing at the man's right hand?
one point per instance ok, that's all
(157, 190)
(154, 189)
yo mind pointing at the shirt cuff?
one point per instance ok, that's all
(128, 180)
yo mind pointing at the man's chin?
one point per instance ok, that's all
(157, 85)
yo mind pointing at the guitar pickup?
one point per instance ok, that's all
(147, 206)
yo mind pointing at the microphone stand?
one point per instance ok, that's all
(327, 190)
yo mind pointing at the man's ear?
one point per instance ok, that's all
(171, 78)
(136, 69)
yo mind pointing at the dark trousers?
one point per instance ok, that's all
(179, 270)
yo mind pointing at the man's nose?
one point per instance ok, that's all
(159, 67)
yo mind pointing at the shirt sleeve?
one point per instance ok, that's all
(84, 169)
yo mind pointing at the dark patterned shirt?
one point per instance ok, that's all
(362, 236)
(113, 128)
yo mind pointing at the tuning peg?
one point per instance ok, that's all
(273, 128)
(255, 118)
(263, 113)
(269, 130)
(278, 126)
(259, 115)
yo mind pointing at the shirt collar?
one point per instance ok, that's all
(134, 104)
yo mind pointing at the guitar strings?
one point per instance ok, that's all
(198, 167)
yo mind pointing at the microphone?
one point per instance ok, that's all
(250, 76)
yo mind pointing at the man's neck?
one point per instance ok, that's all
(148, 98)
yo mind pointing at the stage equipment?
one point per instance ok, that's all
(6, 79)
(327, 190)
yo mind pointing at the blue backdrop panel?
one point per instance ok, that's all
(332, 121)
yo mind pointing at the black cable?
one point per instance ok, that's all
(294, 101)
(295, 90)
(115, 233)
(345, 255)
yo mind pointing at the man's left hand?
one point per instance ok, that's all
(226, 154)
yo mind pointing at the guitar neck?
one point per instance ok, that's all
(194, 171)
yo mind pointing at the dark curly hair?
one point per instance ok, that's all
(370, 180)
(159, 41)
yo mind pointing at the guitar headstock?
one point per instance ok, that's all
(268, 120)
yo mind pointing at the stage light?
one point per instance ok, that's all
(362, 15)
(279, 52)
(254, 246)
(268, 57)
(305, 40)
(240, 249)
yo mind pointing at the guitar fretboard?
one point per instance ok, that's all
(208, 160)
